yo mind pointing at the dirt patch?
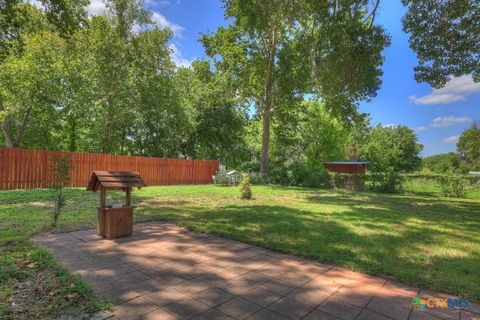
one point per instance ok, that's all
(41, 296)
(34, 288)
(42, 204)
(35, 297)
(28, 296)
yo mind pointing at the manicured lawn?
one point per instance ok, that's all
(422, 239)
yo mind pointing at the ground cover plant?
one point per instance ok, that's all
(423, 239)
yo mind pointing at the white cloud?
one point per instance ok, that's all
(161, 21)
(96, 7)
(443, 122)
(177, 57)
(436, 99)
(451, 140)
(421, 128)
(456, 89)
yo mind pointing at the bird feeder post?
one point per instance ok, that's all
(101, 213)
(128, 196)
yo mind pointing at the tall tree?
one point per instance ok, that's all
(468, 148)
(159, 121)
(279, 50)
(445, 34)
(111, 40)
(324, 136)
(216, 116)
(393, 148)
(18, 21)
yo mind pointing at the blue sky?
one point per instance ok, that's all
(437, 116)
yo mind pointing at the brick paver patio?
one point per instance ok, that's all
(166, 272)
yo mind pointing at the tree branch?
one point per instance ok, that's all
(373, 13)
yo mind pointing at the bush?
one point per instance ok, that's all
(60, 168)
(294, 174)
(452, 186)
(245, 188)
(346, 181)
(386, 182)
(256, 178)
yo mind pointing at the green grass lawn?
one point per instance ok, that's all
(420, 238)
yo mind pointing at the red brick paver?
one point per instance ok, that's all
(166, 272)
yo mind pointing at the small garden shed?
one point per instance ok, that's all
(353, 167)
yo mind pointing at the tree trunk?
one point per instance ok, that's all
(267, 108)
(6, 129)
(7, 133)
(23, 125)
(107, 136)
(72, 145)
(265, 139)
(107, 132)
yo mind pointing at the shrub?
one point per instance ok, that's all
(452, 186)
(60, 169)
(245, 188)
(346, 181)
(386, 182)
(294, 174)
(257, 178)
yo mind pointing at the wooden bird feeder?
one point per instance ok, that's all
(114, 221)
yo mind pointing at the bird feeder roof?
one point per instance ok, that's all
(115, 180)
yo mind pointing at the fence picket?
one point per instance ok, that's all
(28, 169)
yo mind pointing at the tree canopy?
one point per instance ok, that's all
(277, 51)
(468, 148)
(441, 163)
(445, 35)
(280, 86)
(392, 148)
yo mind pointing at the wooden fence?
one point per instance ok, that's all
(28, 169)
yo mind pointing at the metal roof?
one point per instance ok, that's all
(346, 162)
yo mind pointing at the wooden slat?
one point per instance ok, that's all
(26, 169)
(121, 184)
